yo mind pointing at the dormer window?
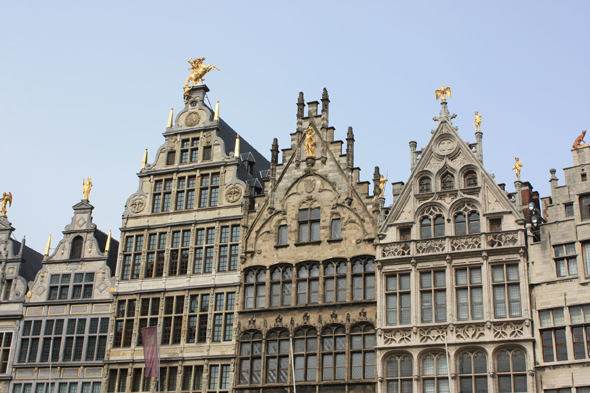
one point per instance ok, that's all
(425, 185)
(447, 182)
(471, 179)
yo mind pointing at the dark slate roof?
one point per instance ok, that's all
(228, 135)
(101, 238)
(32, 260)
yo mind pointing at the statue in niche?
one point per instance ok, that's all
(517, 166)
(310, 142)
(578, 142)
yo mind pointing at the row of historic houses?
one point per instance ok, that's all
(293, 276)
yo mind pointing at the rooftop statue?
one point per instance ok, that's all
(579, 140)
(517, 166)
(309, 142)
(477, 121)
(6, 199)
(87, 187)
(442, 93)
(198, 71)
(382, 182)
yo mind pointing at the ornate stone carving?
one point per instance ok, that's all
(309, 185)
(470, 332)
(306, 318)
(502, 239)
(192, 119)
(508, 330)
(429, 246)
(233, 193)
(396, 250)
(397, 337)
(466, 243)
(137, 204)
(278, 320)
(446, 146)
(434, 164)
(252, 322)
(334, 316)
(433, 334)
(447, 198)
(363, 314)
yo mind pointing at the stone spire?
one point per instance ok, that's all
(376, 178)
(350, 148)
(325, 106)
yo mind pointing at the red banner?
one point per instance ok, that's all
(151, 352)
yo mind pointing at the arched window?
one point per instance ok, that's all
(277, 356)
(447, 182)
(425, 185)
(280, 287)
(432, 221)
(334, 353)
(399, 374)
(77, 245)
(255, 288)
(250, 358)
(471, 179)
(467, 220)
(363, 279)
(308, 283)
(362, 352)
(335, 281)
(473, 372)
(511, 367)
(435, 373)
(305, 354)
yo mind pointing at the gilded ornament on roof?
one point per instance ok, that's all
(198, 71)
(477, 121)
(578, 142)
(310, 142)
(517, 166)
(87, 186)
(6, 199)
(442, 93)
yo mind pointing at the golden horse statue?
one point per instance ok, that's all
(198, 71)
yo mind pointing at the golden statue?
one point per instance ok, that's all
(579, 140)
(309, 142)
(382, 182)
(87, 187)
(6, 199)
(198, 70)
(442, 93)
(517, 166)
(477, 121)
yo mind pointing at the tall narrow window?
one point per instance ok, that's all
(336, 229)
(511, 369)
(468, 284)
(335, 282)
(447, 182)
(308, 284)
(309, 225)
(473, 372)
(283, 235)
(362, 352)
(277, 356)
(250, 358)
(363, 279)
(471, 179)
(255, 288)
(554, 342)
(432, 223)
(280, 287)
(435, 373)
(566, 263)
(399, 374)
(433, 296)
(305, 354)
(334, 353)
(425, 185)
(506, 288)
(585, 207)
(398, 298)
(77, 246)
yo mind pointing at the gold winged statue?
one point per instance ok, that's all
(6, 199)
(442, 93)
(198, 71)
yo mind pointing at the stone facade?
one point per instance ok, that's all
(307, 302)
(65, 321)
(178, 264)
(453, 307)
(559, 254)
(19, 264)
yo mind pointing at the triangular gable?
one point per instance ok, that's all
(447, 151)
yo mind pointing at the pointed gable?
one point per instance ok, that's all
(446, 176)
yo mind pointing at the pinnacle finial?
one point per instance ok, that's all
(325, 94)
(237, 148)
(216, 117)
(108, 246)
(349, 134)
(300, 100)
(145, 158)
(48, 245)
(171, 118)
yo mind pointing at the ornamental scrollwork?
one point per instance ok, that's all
(432, 334)
(470, 332)
(466, 243)
(397, 250)
(502, 239)
(508, 330)
(397, 337)
(429, 246)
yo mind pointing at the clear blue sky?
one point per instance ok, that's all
(86, 86)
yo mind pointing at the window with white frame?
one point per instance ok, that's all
(399, 374)
(566, 263)
(435, 373)
(468, 284)
(553, 334)
(506, 289)
(398, 299)
(433, 296)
